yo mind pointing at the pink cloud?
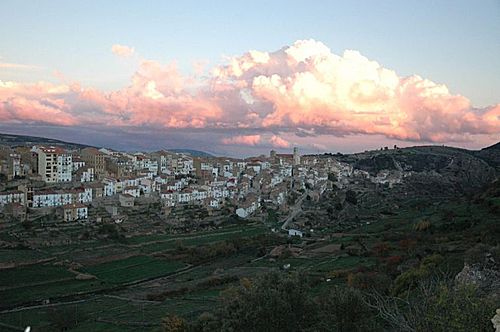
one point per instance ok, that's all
(122, 50)
(279, 142)
(302, 88)
(250, 140)
(8, 65)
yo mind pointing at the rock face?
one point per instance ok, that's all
(383, 181)
(496, 321)
(485, 278)
(427, 170)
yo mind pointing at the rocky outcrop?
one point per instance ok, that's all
(485, 278)
(496, 321)
(427, 170)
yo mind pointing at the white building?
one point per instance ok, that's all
(248, 207)
(294, 232)
(74, 212)
(87, 175)
(109, 186)
(8, 197)
(54, 164)
(51, 198)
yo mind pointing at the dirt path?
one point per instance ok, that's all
(296, 209)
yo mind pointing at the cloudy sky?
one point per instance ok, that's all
(240, 78)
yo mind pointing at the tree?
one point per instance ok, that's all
(344, 309)
(332, 177)
(271, 302)
(350, 197)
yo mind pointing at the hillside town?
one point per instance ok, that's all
(67, 184)
(56, 184)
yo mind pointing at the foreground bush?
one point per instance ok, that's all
(438, 307)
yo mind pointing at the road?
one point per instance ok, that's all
(295, 210)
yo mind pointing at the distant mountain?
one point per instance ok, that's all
(194, 153)
(21, 140)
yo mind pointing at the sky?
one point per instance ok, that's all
(239, 78)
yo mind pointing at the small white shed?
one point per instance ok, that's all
(294, 232)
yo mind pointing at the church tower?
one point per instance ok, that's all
(296, 156)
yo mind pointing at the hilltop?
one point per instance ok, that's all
(491, 154)
(194, 153)
(24, 140)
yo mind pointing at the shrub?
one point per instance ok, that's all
(422, 225)
(369, 281)
(174, 323)
(272, 302)
(344, 309)
(350, 197)
(410, 279)
(438, 306)
(380, 249)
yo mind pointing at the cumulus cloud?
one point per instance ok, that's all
(250, 140)
(303, 90)
(279, 142)
(122, 50)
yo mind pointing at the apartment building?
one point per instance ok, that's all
(54, 164)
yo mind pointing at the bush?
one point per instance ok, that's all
(457, 309)
(438, 306)
(332, 177)
(272, 302)
(369, 281)
(174, 323)
(410, 279)
(350, 197)
(422, 225)
(380, 249)
(344, 309)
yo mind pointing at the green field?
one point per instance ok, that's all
(133, 269)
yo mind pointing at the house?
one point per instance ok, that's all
(14, 196)
(16, 210)
(54, 164)
(82, 195)
(95, 159)
(278, 195)
(74, 212)
(85, 174)
(133, 191)
(185, 196)
(97, 189)
(294, 232)
(146, 186)
(51, 198)
(77, 163)
(169, 197)
(126, 200)
(212, 203)
(249, 206)
(110, 186)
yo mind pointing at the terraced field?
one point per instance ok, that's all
(135, 282)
